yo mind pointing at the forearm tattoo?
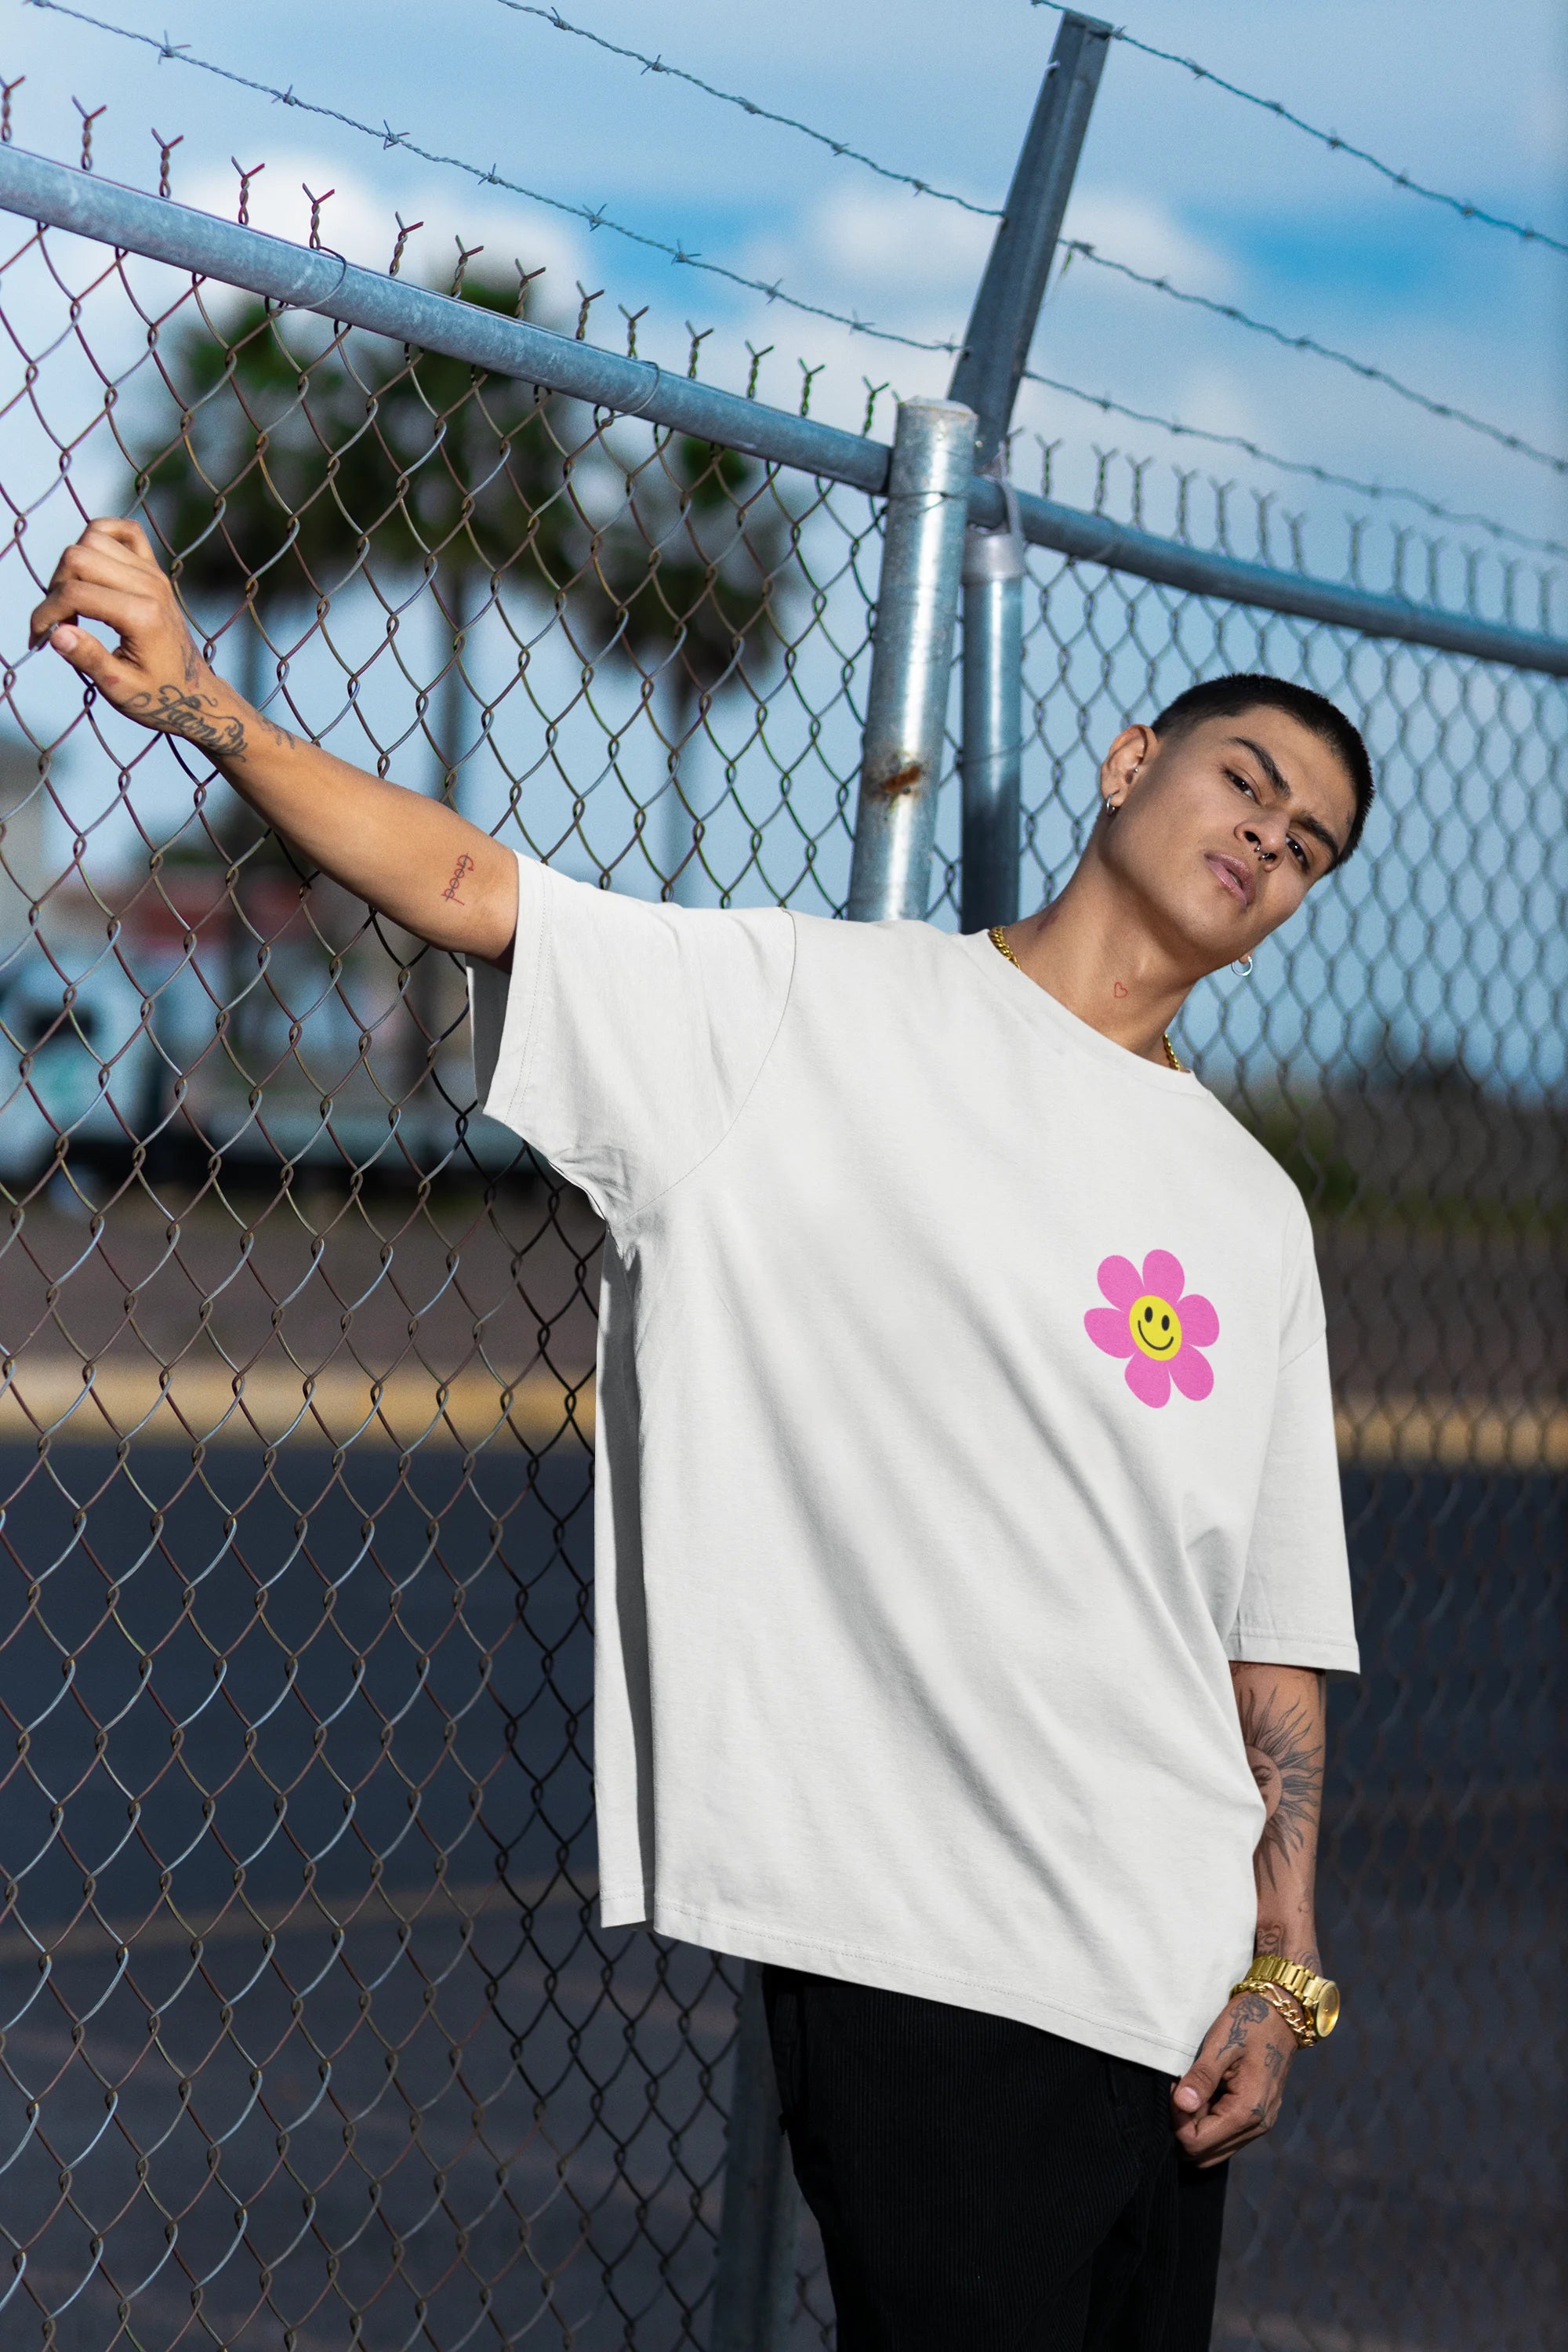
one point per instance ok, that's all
(464, 866)
(1285, 1749)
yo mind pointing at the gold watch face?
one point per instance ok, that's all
(1327, 2012)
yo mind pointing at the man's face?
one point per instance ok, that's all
(1224, 826)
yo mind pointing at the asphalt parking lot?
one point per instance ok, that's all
(373, 2055)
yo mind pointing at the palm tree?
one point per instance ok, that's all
(292, 474)
(304, 461)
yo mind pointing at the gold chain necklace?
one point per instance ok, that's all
(999, 941)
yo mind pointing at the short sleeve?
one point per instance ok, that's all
(628, 1036)
(1295, 1608)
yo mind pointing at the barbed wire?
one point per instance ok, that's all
(1281, 335)
(179, 53)
(1331, 138)
(598, 218)
(1376, 490)
(749, 106)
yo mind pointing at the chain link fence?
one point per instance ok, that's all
(309, 2035)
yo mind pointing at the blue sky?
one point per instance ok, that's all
(1177, 178)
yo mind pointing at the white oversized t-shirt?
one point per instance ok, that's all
(963, 1408)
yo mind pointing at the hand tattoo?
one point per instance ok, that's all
(1287, 1761)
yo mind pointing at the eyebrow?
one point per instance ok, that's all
(1282, 790)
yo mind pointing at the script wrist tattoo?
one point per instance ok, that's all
(200, 718)
(1285, 1749)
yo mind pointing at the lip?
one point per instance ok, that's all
(1235, 876)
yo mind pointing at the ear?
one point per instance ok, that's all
(1133, 749)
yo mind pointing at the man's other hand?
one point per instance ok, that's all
(1231, 2092)
(154, 675)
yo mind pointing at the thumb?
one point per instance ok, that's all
(83, 650)
(1198, 2085)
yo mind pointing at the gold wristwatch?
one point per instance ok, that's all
(1316, 1996)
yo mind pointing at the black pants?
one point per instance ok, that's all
(984, 2186)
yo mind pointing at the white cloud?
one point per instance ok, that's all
(1140, 232)
(892, 246)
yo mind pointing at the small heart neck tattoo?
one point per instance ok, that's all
(1116, 989)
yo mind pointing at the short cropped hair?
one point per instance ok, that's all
(1228, 698)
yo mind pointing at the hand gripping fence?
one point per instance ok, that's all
(308, 2035)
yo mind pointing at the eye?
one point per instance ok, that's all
(1297, 853)
(1242, 784)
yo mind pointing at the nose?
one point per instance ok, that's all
(1253, 833)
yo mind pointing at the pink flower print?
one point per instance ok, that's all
(1156, 1325)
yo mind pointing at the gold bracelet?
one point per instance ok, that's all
(1291, 2009)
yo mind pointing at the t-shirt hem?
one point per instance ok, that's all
(747, 1939)
(1257, 1645)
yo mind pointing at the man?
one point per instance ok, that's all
(970, 1552)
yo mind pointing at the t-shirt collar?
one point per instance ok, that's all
(1066, 1031)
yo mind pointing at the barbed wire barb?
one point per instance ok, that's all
(1367, 369)
(1180, 430)
(838, 147)
(490, 177)
(774, 291)
(1462, 205)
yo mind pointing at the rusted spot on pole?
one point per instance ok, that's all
(903, 780)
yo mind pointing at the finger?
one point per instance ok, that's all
(1201, 2083)
(102, 561)
(120, 609)
(1208, 2132)
(1241, 2111)
(77, 575)
(122, 533)
(1223, 2155)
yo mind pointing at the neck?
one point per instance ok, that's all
(1097, 955)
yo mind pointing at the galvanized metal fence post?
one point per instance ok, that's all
(912, 662)
(900, 762)
(754, 2283)
(990, 763)
(995, 351)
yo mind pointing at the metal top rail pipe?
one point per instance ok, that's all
(316, 278)
(1095, 539)
(58, 196)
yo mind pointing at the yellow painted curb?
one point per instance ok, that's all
(276, 1404)
(1521, 1433)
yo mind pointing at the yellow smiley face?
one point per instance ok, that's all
(1156, 1327)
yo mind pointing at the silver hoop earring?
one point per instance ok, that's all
(1243, 968)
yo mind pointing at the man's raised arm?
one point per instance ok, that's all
(413, 858)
